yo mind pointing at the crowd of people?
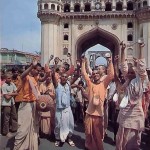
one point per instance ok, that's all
(48, 101)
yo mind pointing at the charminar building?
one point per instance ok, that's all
(76, 25)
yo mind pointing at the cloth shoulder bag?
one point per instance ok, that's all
(124, 102)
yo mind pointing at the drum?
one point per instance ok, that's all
(44, 103)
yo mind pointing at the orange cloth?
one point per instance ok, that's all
(26, 89)
(18, 83)
(97, 89)
(93, 132)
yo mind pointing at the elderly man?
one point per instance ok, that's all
(64, 122)
(131, 115)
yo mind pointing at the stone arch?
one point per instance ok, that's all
(46, 6)
(67, 7)
(66, 37)
(52, 6)
(130, 25)
(145, 3)
(108, 6)
(58, 8)
(130, 37)
(87, 7)
(77, 7)
(98, 36)
(119, 6)
(130, 5)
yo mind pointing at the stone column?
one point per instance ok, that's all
(56, 7)
(48, 40)
(92, 6)
(42, 5)
(103, 5)
(44, 42)
(71, 7)
(148, 3)
(113, 5)
(124, 5)
(82, 6)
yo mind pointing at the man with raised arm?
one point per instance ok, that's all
(64, 122)
(27, 133)
(131, 115)
(94, 113)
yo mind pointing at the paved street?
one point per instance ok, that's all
(78, 139)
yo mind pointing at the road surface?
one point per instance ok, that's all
(79, 138)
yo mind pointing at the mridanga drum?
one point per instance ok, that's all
(44, 103)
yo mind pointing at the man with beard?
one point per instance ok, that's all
(94, 113)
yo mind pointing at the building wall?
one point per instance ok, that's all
(53, 31)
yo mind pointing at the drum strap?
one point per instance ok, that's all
(34, 89)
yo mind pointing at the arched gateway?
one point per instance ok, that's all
(97, 36)
(76, 25)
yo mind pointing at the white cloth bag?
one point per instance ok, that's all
(124, 102)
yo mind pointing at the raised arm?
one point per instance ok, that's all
(51, 58)
(123, 47)
(141, 47)
(110, 72)
(75, 77)
(70, 59)
(124, 65)
(83, 71)
(141, 64)
(26, 72)
(87, 67)
(55, 80)
(47, 71)
(71, 69)
(84, 93)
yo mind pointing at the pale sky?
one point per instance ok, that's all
(20, 27)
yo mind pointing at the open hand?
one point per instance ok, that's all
(51, 57)
(123, 45)
(34, 62)
(56, 60)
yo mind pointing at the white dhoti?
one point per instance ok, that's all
(64, 124)
(27, 133)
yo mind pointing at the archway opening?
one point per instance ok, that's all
(53, 7)
(96, 55)
(66, 8)
(87, 7)
(108, 7)
(45, 6)
(130, 5)
(145, 3)
(98, 36)
(77, 8)
(119, 6)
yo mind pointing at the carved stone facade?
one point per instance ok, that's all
(76, 25)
